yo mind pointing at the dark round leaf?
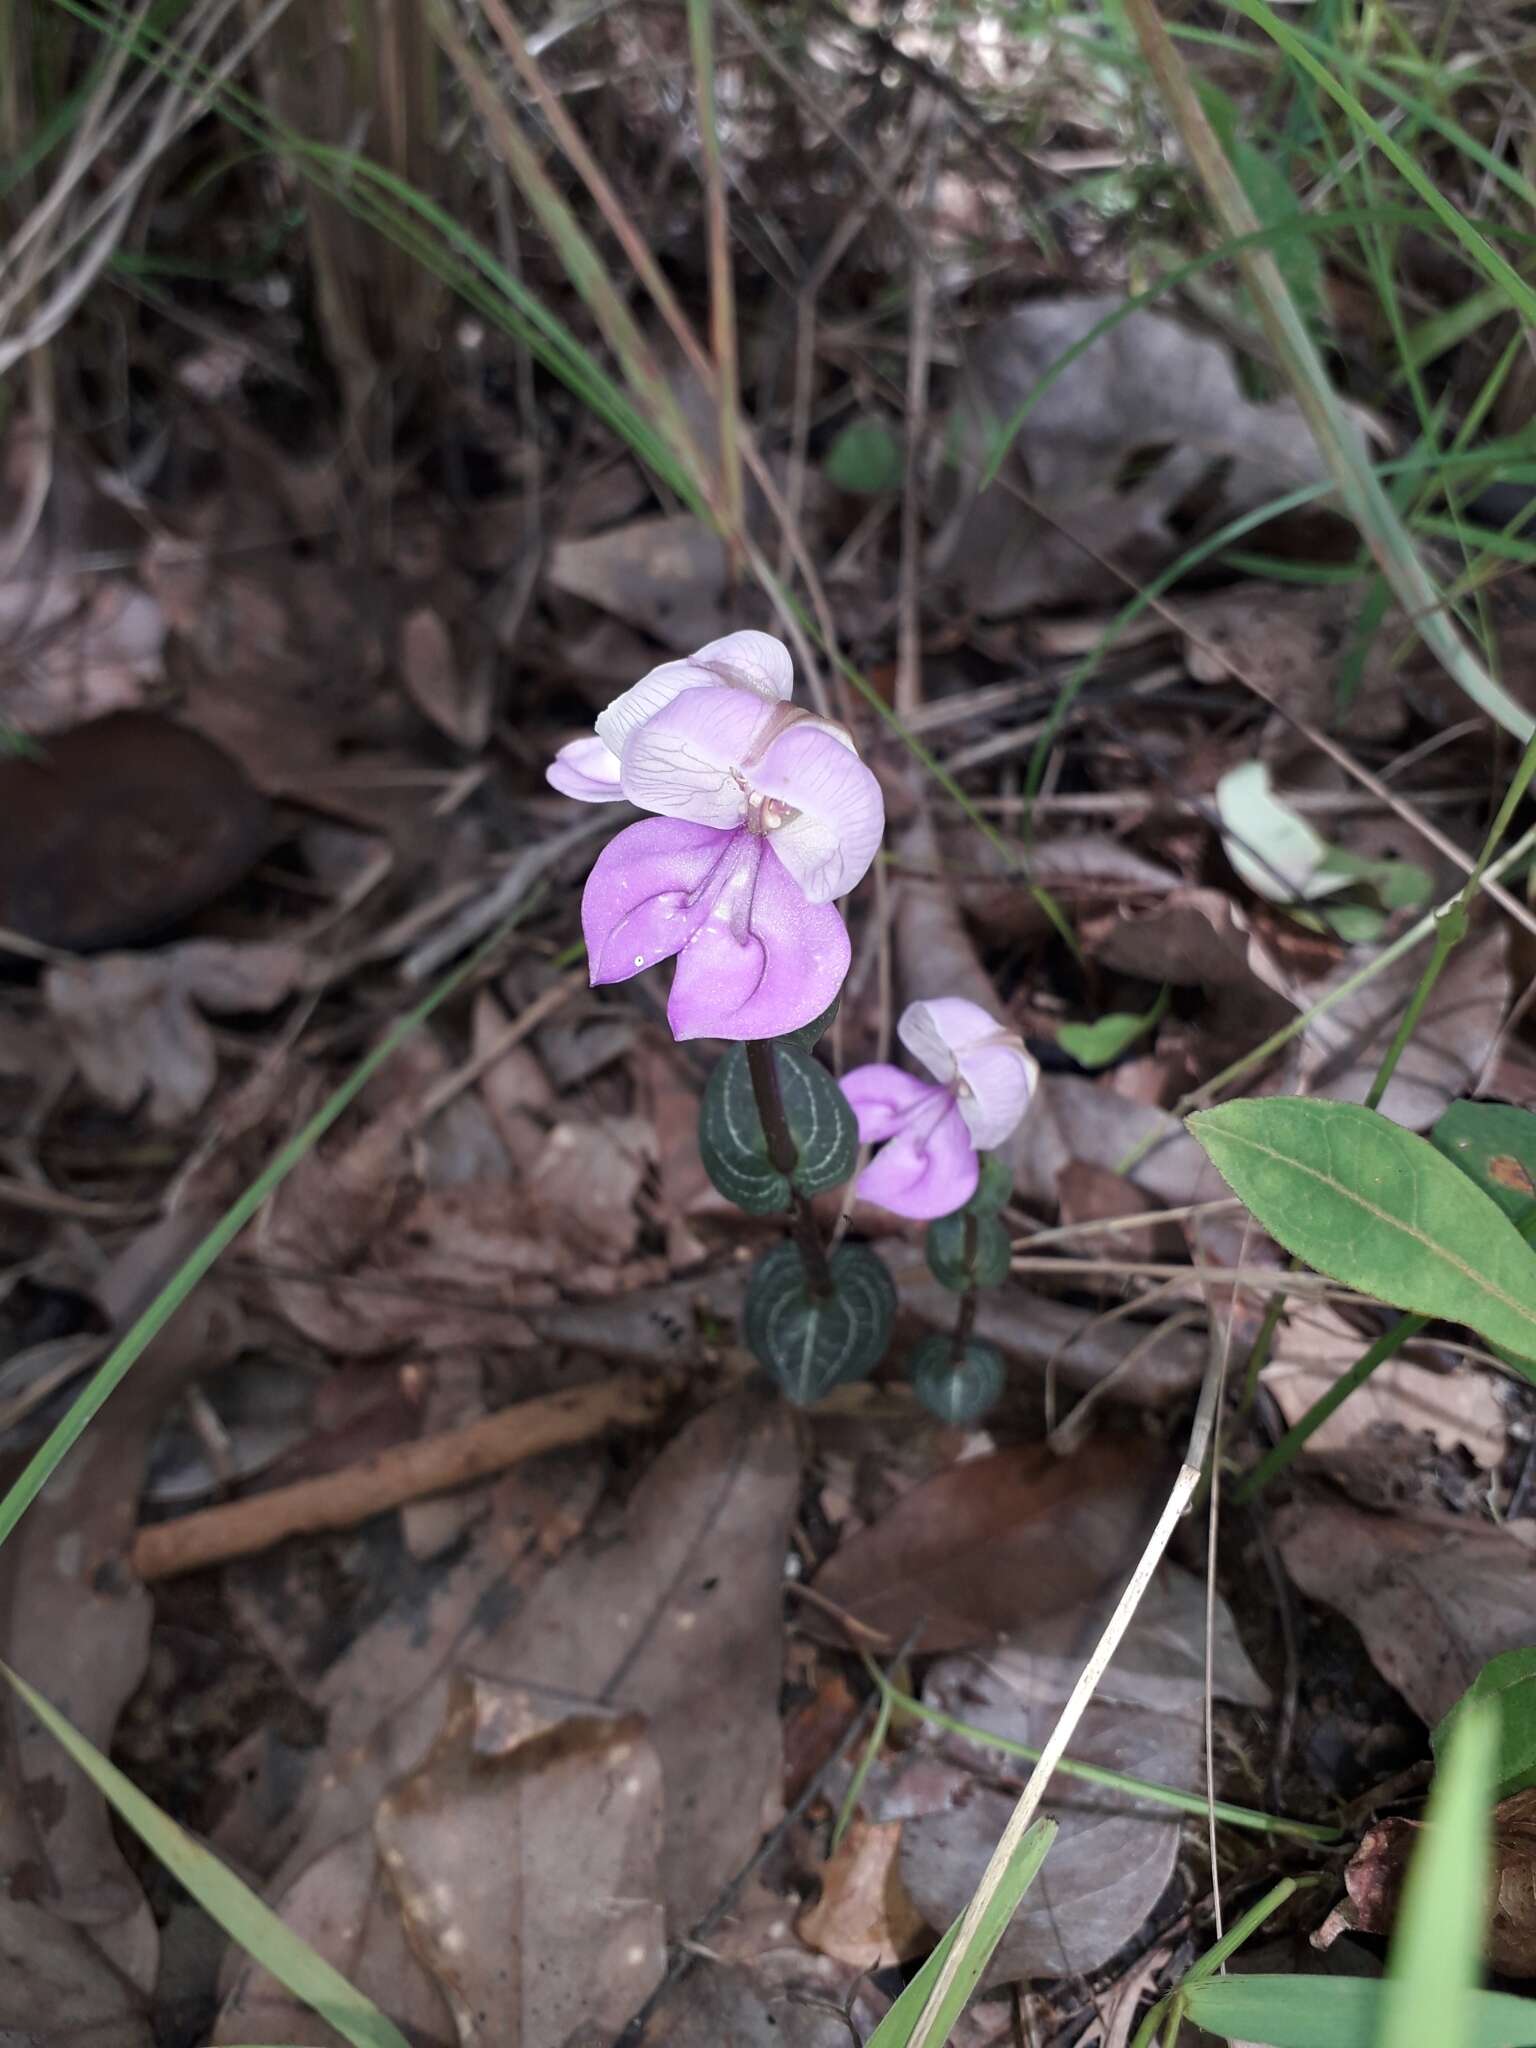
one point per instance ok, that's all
(865, 458)
(987, 1264)
(734, 1145)
(809, 1346)
(956, 1393)
(993, 1187)
(811, 1035)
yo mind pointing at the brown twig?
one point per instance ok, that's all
(405, 1472)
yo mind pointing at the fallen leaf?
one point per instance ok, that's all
(1315, 1345)
(667, 575)
(1342, 1048)
(1290, 641)
(730, 2008)
(1433, 1597)
(120, 828)
(1286, 860)
(994, 1545)
(131, 1019)
(1113, 1859)
(1143, 440)
(454, 695)
(863, 1916)
(1198, 938)
(582, 1188)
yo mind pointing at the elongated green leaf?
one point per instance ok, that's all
(1510, 1682)
(1097, 1044)
(220, 1893)
(1436, 1958)
(1496, 1147)
(1377, 1208)
(1340, 2012)
(895, 2030)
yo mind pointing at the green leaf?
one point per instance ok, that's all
(735, 1147)
(957, 1393)
(994, 1186)
(866, 458)
(1496, 1147)
(1510, 1682)
(1097, 1044)
(1283, 859)
(1435, 1962)
(1377, 1208)
(987, 1264)
(899, 2024)
(811, 1346)
(1340, 2012)
(809, 1036)
(220, 1893)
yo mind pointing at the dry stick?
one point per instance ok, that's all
(908, 692)
(1179, 1498)
(722, 287)
(406, 1472)
(783, 1155)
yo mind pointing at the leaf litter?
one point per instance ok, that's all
(289, 759)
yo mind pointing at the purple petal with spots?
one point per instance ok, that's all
(928, 1168)
(754, 958)
(587, 770)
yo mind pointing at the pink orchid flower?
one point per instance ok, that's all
(930, 1132)
(765, 814)
(753, 662)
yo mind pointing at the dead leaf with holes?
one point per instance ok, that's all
(1113, 1858)
(133, 1020)
(1144, 441)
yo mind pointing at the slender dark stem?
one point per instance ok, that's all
(965, 1321)
(783, 1156)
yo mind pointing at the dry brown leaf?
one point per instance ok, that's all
(131, 1019)
(994, 1545)
(1342, 1048)
(1142, 439)
(1198, 938)
(582, 1188)
(456, 697)
(1314, 1345)
(1111, 1860)
(666, 575)
(863, 1916)
(1433, 1597)
(1290, 640)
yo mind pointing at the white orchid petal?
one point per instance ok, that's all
(587, 770)
(964, 1047)
(840, 813)
(750, 661)
(683, 762)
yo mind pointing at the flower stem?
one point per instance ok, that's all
(965, 1321)
(783, 1156)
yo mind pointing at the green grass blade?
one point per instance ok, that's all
(1343, 2012)
(67, 1432)
(221, 1894)
(1436, 1957)
(900, 2023)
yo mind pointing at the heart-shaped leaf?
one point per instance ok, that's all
(983, 1264)
(734, 1144)
(1379, 1209)
(994, 1185)
(956, 1393)
(812, 1346)
(811, 1035)
(1496, 1147)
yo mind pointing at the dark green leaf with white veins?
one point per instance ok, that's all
(1379, 1209)
(1510, 1681)
(957, 1393)
(810, 1346)
(735, 1147)
(968, 1251)
(1496, 1146)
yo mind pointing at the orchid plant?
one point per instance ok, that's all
(762, 817)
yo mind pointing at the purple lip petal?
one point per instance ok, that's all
(754, 958)
(828, 847)
(587, 770)
(883, 1098)
(928, 1169)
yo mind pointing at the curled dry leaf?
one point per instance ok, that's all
(1112, 1859)
(666, 575)
(455, 697)
(994, 1545)
(863, 1916)
(1378, 1868)
(1433, 1597)
(119, 829)
(131, 1019)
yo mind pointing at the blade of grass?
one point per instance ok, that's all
(1359, 486)
(67, 1432)
(1436, 1955)
(220, 1893)
(1215, 1957)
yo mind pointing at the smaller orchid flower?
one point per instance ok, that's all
(752, 662)
(930, 1132)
